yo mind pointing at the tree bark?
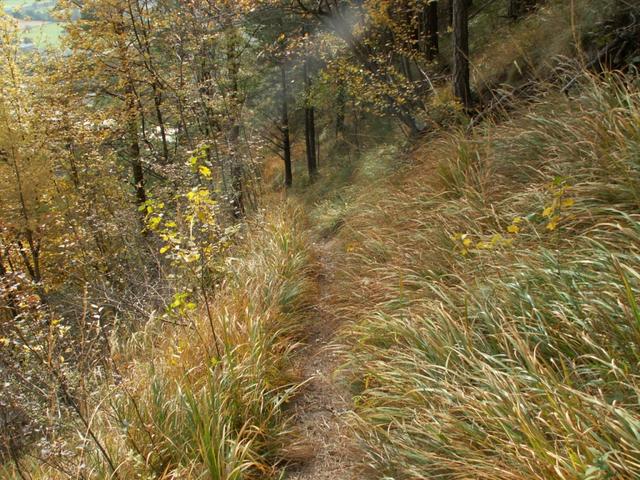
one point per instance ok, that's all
(461, 86)
(309, 124)
(433, 48)
(157, 102)
(284, 128)
(237, 200)
(131, 113)
(134, 148)
(341, 102)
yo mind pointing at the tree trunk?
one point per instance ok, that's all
(131, 113)
(517, 8)
(341, 101)
(284, 128)
(461, 87)
(136, 163)
(237, 200)
(431, 22)
(157, 102)
(309, 125)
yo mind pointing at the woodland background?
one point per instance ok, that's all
(169, 168)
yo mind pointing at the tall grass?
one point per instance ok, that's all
(493, 296)
(179, 410)
(511, 54)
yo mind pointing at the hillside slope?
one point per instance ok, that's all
(489, 291)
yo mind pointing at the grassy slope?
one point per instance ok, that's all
(491, 282)
(492, 290)
(46, 34)
(184, 409)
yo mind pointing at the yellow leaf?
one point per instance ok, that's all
(204, 171)
(154, 222)
(165, 249)
(496, 239)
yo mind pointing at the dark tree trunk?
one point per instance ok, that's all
(136, 161)
(237, 201)
(309, 125)
(431, 22)
(157, 101)
(461, 87)
(134, 143)
(356, 128)
(284, 128)
(317, 143)
(517, 8)
(341, 102)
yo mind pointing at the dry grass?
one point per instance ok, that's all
(480, 350)
(532, 49)
(180, 410)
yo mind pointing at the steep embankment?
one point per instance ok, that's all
(489, 290)
(202, 395)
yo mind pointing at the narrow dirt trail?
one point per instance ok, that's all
(322, 407)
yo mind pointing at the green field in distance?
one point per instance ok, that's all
(37, 27)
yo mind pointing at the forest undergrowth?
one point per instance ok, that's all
(204, 399)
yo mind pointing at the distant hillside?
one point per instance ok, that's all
(38, 27)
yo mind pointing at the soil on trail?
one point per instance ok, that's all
(324, 403)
